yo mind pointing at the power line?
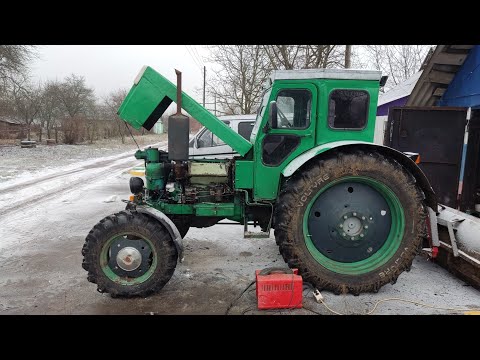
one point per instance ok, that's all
(193, 58)
(198, 55)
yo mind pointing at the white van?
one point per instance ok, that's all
(206, 145)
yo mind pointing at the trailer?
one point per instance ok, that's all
(447, 141)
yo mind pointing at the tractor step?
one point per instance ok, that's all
(254, 234)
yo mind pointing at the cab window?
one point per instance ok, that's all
(294, 107)
(348, 109)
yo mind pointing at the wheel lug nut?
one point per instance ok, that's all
(353, 238)
(345, 217)
(118, 245)
(363, 217)
(361, 235)
(371, 218)
(354, 214)
(341, 225)
(369, 250)
(344, 234)
(366, 226)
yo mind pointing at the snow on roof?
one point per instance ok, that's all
(354, 74)
(10, 120)
(399, 91)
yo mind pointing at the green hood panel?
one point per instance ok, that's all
(151, 95)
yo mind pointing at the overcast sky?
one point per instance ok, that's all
(109, 67)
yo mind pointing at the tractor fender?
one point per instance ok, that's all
(169, 225)
(404, 160)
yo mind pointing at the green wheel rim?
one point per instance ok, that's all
(382, 255)
(127, 281)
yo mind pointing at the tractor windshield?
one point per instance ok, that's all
(260, 113)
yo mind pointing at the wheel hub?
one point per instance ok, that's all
(353, 226)
(129, 258)
(349, 222)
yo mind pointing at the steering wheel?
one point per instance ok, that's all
(283, 119)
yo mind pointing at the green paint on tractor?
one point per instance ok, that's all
(307, 119)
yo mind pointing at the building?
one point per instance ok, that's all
(450, 76)
(11, 128)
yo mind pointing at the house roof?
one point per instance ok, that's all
(10, 120)
(399, 91)
(438, 71)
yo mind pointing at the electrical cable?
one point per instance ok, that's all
(418, 303)
(194, 60)
(385, 300)
(199, 57)
(238, 297)
(393, 299)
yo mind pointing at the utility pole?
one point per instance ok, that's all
(348, 56)
(215, 103)
(204, 82)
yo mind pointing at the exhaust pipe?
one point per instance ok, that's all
(178, 128)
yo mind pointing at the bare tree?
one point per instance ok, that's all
(92, 118)
(50, 110)
(76, 101)
(291, 57)
(399, 62)
(284, 56)
(112, 103)
(14, 61)
(26, 103)
(237, 85)
(74, 96)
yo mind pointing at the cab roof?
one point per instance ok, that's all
(340, 74)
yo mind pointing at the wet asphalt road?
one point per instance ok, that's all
(42, 233)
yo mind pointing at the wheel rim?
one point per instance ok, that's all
(128, 259)
(373, 216)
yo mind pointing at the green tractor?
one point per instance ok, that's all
(349, 214)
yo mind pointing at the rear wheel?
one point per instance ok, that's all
(350, 223)
(129, 254)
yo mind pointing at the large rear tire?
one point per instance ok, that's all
(129, 254)
(352, 222)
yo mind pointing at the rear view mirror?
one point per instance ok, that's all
(383, 80)
(273, 115)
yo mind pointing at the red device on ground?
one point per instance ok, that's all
(279, 288)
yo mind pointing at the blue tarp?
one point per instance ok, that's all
(464, 90)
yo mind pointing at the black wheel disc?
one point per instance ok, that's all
(349, 222)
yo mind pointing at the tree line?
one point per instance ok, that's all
(240, 71)
(66, 110)
(69, 111)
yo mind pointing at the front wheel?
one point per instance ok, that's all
(129, 254)
(350, 223)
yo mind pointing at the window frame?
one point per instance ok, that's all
(251, 124)
(367, 113)
(285, 157)
(307, 125)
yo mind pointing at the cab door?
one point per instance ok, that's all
(294, 133)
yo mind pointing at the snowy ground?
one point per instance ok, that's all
(44, 220)
(15, 161)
